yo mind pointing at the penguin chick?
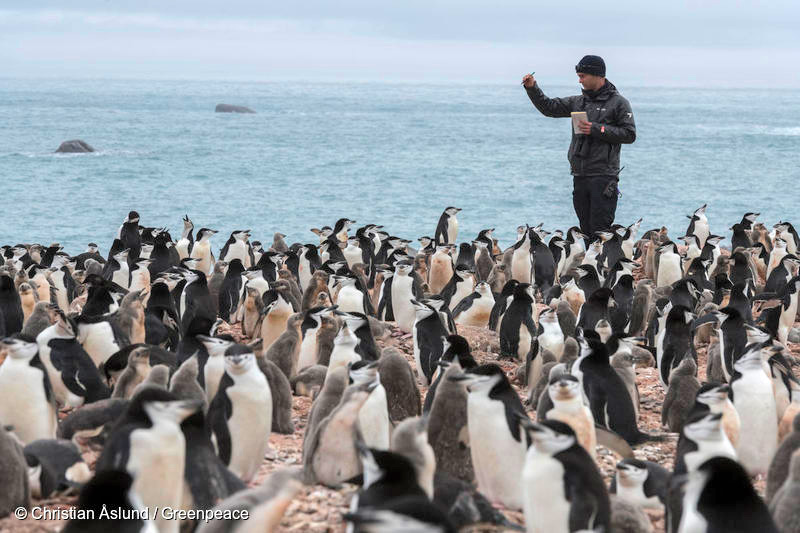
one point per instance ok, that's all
(627, 517)
(447, 426)
(679, 400)
(137, 370)
(780, 465)
(785, 503)
(326, 401)
(281, 392)
(184, 384)
(304, 382)
(402, 392)
(14, 471)
(331, 456)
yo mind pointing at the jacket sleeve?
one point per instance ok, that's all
(550, 107)
(623, 131)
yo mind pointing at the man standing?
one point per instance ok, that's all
(594, 151)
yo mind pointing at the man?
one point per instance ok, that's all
(594, 152)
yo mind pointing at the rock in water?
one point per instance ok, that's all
(228, 108)
(75, 146)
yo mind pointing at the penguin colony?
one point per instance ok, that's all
(175, 372)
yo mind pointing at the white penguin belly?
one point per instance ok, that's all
(249, 425)
(238, 250)
(202, 252)
(669, 269)
(440, 272)
(61, 291)
(521, 265)
(545, 507)
(308, 350)
(524, 345)
(98, 341)
(122, 276)
(352, 254)
(373, 420)
(304, 273)
(273, 326)
(452, 230)
(212, 375)
(350, 300)
(404, 312)
(478, 314)
(341, 355)
(463, 290)
(636, 496)
(498, 458)
(758, 437)
(156, 463)
(141, 280)
(25, 405)
(552, 341)
(182, 248)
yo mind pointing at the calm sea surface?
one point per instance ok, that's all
(392, 154)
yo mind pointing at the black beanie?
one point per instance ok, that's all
(593, 65)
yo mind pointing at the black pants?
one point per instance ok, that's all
(594, 207)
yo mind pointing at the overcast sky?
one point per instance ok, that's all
(674, 43)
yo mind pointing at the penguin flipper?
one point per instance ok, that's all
(218, 413)
(612, 441)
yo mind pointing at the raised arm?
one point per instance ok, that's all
(549, 107)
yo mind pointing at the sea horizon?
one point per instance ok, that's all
(316, 152)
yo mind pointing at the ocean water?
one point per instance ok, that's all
(391, 154)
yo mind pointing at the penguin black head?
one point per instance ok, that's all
(488, 378)
(216, 345)
(523, 292)
(133, 217)
(107, 488)
(200, 325)
(713, 393)
(631, 473)
(457, 347)
(152, 403)
(356, 321)
(725, 497)
(704, 427)
(509, 287)
(423, 309)
(751, 359)
(591, 344)
(385, 466)
(20, 347)
(550, 436)
(363, 372)
(564, 387)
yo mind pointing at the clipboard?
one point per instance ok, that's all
(577, 118)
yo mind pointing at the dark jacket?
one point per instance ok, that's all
(596, 154)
